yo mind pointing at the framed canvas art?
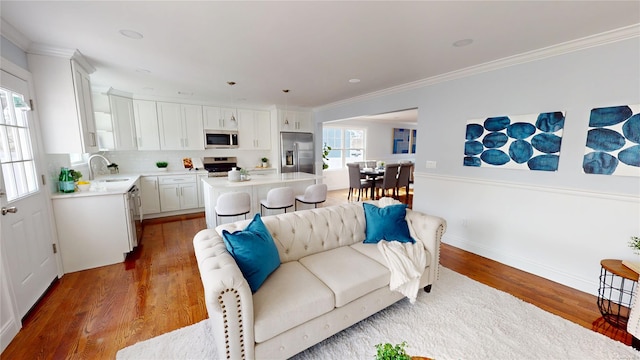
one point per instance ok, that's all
(528, 142)
(613, 141)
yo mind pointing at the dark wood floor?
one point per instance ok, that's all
(92, 314)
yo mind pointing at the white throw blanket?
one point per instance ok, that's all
(407, 263)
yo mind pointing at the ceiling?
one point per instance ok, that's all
(191, 49)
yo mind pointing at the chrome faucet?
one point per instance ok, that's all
(89, 163)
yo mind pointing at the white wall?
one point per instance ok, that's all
(555, 224)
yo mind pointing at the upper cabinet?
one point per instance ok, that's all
(180, 126)
(254, 129)
(295, 121)
(145, 114)
(216, 118)
(63, 94)
(124, 131)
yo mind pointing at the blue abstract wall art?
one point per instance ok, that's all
(528, 142)
(613, 141)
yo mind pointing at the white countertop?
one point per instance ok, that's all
(105, 184)
(258, 179)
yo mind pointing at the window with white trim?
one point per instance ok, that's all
(347, 145)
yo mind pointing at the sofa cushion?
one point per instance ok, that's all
(348, 273)
(254, 252)
(386, 223)
(290, 296)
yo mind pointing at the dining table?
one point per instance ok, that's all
(371, 175)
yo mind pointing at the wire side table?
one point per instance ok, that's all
(615, 295)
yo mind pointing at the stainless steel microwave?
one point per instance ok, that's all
(220, 139)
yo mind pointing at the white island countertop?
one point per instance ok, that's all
(257, 188)
(261, 179)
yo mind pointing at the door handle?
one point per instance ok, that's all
(12, 210)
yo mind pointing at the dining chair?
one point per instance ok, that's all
(314, 194)
(356, 182)
(278, 198)
(233, 204)
(404, 175)
(389, 180)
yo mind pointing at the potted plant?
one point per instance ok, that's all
(162, 165)
(325, 156)
(634, 243)
(265, 162)
(392, 352)
(76, 175)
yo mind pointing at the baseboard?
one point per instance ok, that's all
(7, 333)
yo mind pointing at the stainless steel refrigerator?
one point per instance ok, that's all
(297, 152)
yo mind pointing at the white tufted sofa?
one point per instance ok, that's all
(328, 280)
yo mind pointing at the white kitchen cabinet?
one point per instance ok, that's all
(300, 121)
(215, 118)
(146, 124)
(150, 195)
(178, 192)
(122, 117)
(92, 231)
(63, 92)
(180, 126)
(254, 129)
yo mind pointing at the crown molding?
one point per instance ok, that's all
(628, 32)
(12, 34)
(75, 54)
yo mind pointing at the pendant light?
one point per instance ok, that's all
(233, 117)
(286, 120)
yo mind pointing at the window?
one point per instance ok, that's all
(347, 145)
(16, 155)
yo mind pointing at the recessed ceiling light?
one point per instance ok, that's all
(463, 42)
(131, 34)
(354, 81)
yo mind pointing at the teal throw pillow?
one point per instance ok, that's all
(254, 251)
(386, 223)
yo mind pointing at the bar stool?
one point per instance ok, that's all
(313, 194)
(278, 198)
(233, 204)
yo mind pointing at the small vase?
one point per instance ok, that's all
(162, 169)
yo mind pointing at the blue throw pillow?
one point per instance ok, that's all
(387, 223)
(254, 251)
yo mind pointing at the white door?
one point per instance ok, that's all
(27, 238)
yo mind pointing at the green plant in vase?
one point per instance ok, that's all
(325, 156)
(392, 352)
(162, 165)
(76, 175)
(634, 243)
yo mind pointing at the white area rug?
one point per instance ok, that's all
(459, 319)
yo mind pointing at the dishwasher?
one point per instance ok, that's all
(134, 218)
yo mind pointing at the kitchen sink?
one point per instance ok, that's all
(115, 180)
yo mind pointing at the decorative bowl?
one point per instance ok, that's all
(84, 187)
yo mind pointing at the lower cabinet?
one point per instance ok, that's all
(150, 195)
(178, 192)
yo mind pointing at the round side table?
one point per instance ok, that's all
(615, 295)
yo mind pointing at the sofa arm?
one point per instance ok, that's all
(428, 229)
(227, 295)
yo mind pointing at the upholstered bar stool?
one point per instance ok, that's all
(278, 198)
(313, 194)
(233, 204)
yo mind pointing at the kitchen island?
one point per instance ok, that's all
(257, 189)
